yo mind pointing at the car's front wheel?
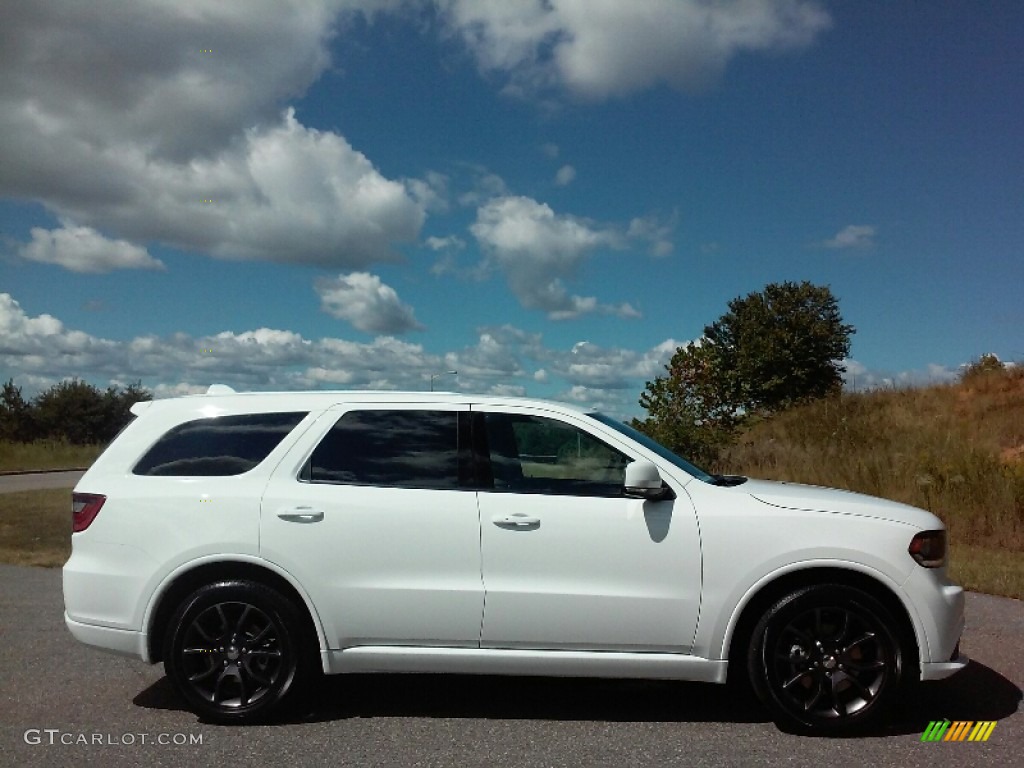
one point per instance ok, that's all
(827, 659)
(235, 651)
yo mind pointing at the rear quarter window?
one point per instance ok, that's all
(396, 449)
(219, 446)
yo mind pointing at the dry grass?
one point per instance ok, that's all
(993, 571)
(957, 450)
(46, 455)
(35, 527)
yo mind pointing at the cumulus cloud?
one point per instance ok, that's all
(591, 365)
(83, 249)
(859, 377)
(41, 350)
(657, 232)
(368, 304)
(264, 358)
(163, 122)
(564, 176)
(852, 236)
(604, 48)
(449, 243)
(536, 249)
(495, 355)
(484, 185)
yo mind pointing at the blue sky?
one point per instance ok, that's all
(547, 197)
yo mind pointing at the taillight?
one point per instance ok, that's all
(928, 548)
(84, 508)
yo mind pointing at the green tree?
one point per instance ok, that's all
(985, 365)
(772, 349)
(688, 410)
(780, 346)
(117, 405)
(71, 410)
(17, 422)
(80, 413)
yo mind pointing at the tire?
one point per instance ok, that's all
(236, 652)
(827, 660)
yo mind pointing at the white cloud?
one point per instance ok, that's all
(431, 192)
(657, 232)
(590, 365)
(493, 356)
(565, 176)
(603, 48)
(367, 303)
(852, 236)
(859, 377)
(485, 185)
(83, 249)
(450, 243)
(550, 149)
(536, 249)
(506, 390)
(163, 122)
(41, 350)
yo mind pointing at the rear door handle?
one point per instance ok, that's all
(301, 515)
(515, 521)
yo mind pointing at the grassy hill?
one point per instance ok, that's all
(957, 450)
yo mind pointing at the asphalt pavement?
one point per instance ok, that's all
(38, 481)
(62, 703)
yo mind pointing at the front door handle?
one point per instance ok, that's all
(301, 515)
(516, 521)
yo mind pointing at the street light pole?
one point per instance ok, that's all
(438, 375)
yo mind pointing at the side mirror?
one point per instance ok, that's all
(643, 481)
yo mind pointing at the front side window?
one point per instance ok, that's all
(534, 454)
(393, 448)
(218, 446)
(656, 447)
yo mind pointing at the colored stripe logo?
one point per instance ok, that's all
(958, 730)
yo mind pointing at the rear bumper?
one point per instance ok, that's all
(124, 642)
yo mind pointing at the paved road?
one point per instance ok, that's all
(37, 481)
(48, 681)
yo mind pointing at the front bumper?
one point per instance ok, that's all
(940, 622)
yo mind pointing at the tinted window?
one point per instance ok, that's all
(407, 449)
(537, 455)
(655, 446)
(225, 445)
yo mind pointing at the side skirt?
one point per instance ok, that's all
(493, 661)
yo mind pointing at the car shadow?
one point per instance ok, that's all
(977, 693)
(340, 697)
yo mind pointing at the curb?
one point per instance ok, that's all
(4, 472)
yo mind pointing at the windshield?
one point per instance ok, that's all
(654, 446)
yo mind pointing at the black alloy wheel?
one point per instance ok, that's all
(827, 659)
(235, 651)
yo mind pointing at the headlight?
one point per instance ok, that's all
(928, 548)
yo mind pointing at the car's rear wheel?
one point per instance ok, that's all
(235, 651)
(827, 659)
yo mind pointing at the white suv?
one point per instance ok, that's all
(250, 540)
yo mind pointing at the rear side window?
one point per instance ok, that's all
(398, 449)
(225, 445)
